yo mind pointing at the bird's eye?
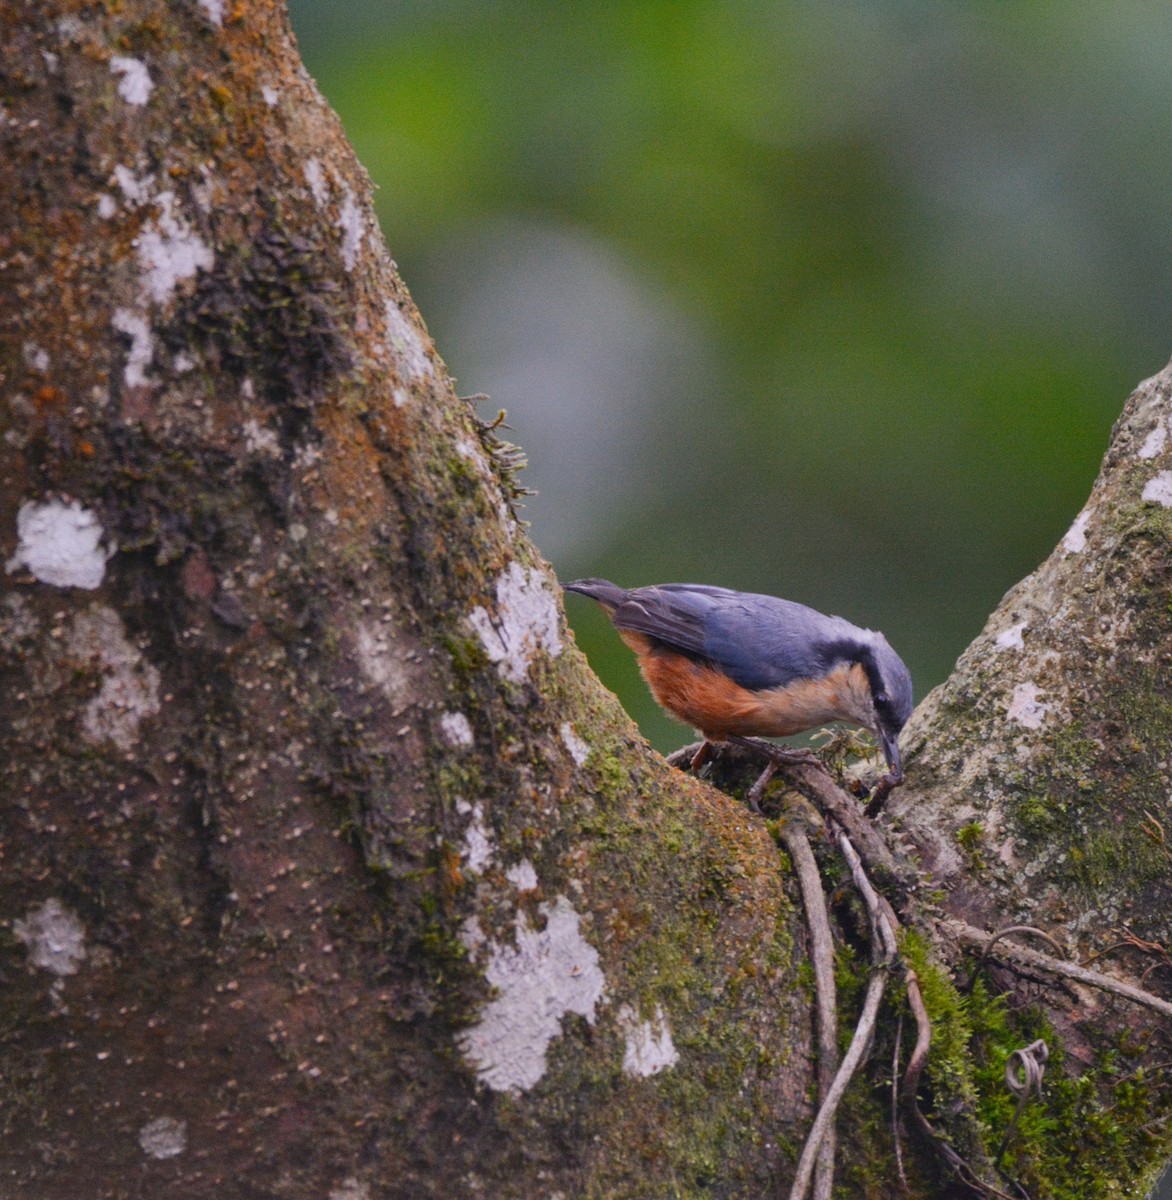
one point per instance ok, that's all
(882, 698)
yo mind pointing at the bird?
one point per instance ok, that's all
(737, 665)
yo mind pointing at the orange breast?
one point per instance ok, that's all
(702, 697)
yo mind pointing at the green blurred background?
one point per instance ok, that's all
(832, 300)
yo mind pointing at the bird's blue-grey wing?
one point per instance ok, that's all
(675, 614)
(764, 642)
(757, 641)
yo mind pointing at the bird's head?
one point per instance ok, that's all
(891, 699)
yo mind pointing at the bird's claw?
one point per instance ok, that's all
(779, 756)
(754, 794)
(886, 785)
(700, 757)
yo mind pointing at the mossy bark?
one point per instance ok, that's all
(329, 869)
(1039, 785)
(294, 744)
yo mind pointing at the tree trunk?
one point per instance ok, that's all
(1038, 795)
(328, 867)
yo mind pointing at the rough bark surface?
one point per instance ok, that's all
(329, 869)
(1040, 794)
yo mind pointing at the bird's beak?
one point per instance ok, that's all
(890, 744)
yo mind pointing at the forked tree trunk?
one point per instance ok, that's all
(328, 868)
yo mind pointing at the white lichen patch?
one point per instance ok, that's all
(377, 657)
(547, 974)
(1026, 707)
(142, 345)
(579, 750)
(36, 357)
(107, 206)
(169, 251)
(1011, 638)
(135, 189)
(213, 10)
(526, 621)
(649, 1048)
(1155, 442)
(350, 1189)
(316, 178)
(523, 876)
(17, 621)
(404, 343)
(352, 224)
(468, 449)
(1075, 541)
(61, 544)
(456, 730)
(1007, 853)
(1158, 489)
(476, 853)
(135, 86)
(54, 937)
(129, 692)
(258, 439)
(164, 1137)
(270, 96)
(471, 935)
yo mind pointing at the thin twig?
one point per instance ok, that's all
(1032, 929)
(895, 1138)
(885, 926)
(850, 1063)
(826, 1013)
(864, 836)
(831, 799)
(919, 1056)
(1028, 1085)
(883, 923)
(1056, 966)
(882, 952)
(911, 1082)
(1132, 942)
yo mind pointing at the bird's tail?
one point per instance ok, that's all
(608, 594)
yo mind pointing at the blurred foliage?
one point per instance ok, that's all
(907, 260)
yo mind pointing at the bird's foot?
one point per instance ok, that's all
(886, 785)
(694, 757)
(701, 756)
(778, 756)
(754, 794)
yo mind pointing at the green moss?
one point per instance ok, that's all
(611, 778)
(1085, 1140)
(1035, 814)
(1095, 862)
(950, 1067)
(467, 653)
(457, 780)
(710, 943)
(970, 838)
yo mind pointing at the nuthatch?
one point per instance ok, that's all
(737, 665)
